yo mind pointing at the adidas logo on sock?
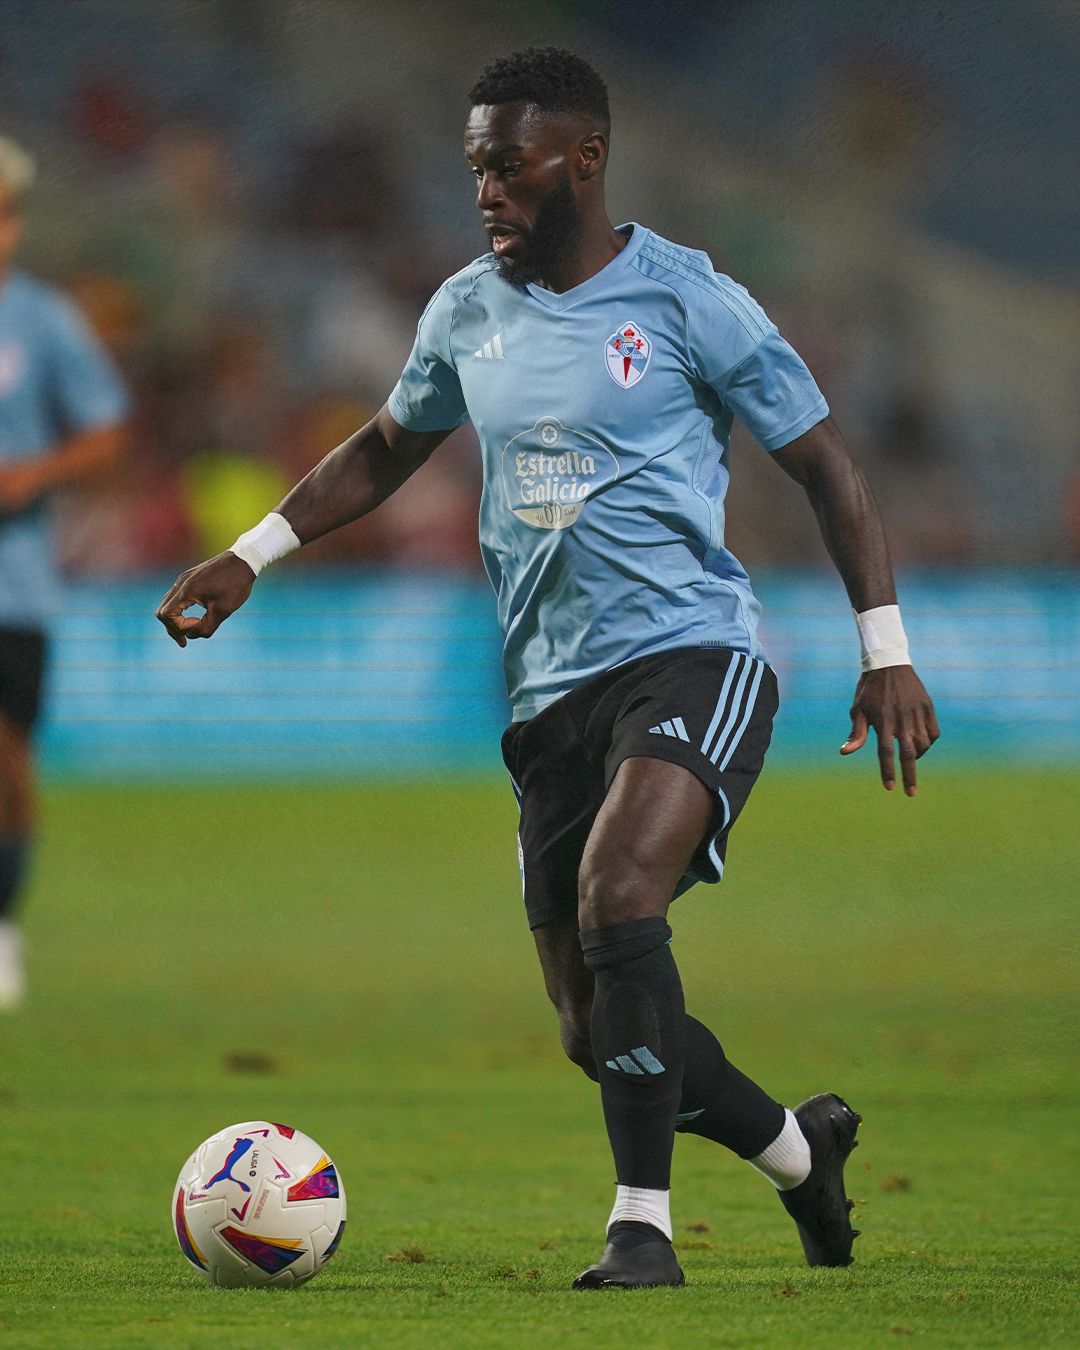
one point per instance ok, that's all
(673, 728)
(639, 1061)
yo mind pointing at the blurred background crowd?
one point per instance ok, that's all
(252, 201)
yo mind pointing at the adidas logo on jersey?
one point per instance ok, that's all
(491, 350)
(673, 728)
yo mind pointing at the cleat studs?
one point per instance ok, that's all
(856, 1232)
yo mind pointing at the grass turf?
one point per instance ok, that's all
(353, 960)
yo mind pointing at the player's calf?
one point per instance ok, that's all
(569, 985)
(574, 1033)
(639, 1041)
(638, 1037)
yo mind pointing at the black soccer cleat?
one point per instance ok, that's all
(819, 1205)
(632, 1259)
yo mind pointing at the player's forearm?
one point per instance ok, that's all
(854, 534)
(352, 480)
(847, 514)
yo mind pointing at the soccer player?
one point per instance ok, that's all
(61, 422)
(602, 368)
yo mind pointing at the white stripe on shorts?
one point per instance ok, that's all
(722, 701)
(751, 699)
(734, 708)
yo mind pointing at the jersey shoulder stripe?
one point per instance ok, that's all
(694, 267)
(455, 290)
(464, 280)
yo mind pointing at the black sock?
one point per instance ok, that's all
(13, 851)
(720, 1103)
(638, 1033)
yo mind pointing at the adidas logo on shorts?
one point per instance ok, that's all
(674, 728)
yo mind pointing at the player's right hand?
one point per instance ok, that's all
(895, 703)
(220, 585)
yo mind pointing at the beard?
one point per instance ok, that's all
(552, 237)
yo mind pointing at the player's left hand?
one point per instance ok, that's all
(893, 702)
(20, 486)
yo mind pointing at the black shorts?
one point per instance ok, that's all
(22, 671)
(709, 709)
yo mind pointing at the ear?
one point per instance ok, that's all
(592, 155)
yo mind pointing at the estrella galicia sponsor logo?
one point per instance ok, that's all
(628, 352)
(551, 471)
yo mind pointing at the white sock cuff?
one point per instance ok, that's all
(786, 1162)
(635, 1204)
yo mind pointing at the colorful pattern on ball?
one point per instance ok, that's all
(187, 1242)
(335, 1244)
(321, 1182)
(269, 1254)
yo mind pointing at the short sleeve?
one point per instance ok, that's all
(736, 349)
(84, 385)
(428, 395)
(773, 394)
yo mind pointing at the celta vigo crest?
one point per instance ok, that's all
(627, 352)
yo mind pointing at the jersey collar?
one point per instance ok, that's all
(599, 281)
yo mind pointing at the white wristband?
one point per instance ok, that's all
(882, 636)
(268, 541)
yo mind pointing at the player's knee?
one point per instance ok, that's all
(606, 948)
(615, 890)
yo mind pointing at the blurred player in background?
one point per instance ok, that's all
(61, 423)
(602, 369)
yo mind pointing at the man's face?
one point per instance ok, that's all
(522, 160)
(11, 224)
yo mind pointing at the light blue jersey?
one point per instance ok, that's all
(55, 381)
(604, 415)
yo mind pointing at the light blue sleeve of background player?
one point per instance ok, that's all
(759, 377)
(83, 383)
(428, 395)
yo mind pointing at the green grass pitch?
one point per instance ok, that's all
(353, 960)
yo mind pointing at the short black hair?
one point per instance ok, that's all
(550, 77)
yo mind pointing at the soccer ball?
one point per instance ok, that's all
(258, 1203)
